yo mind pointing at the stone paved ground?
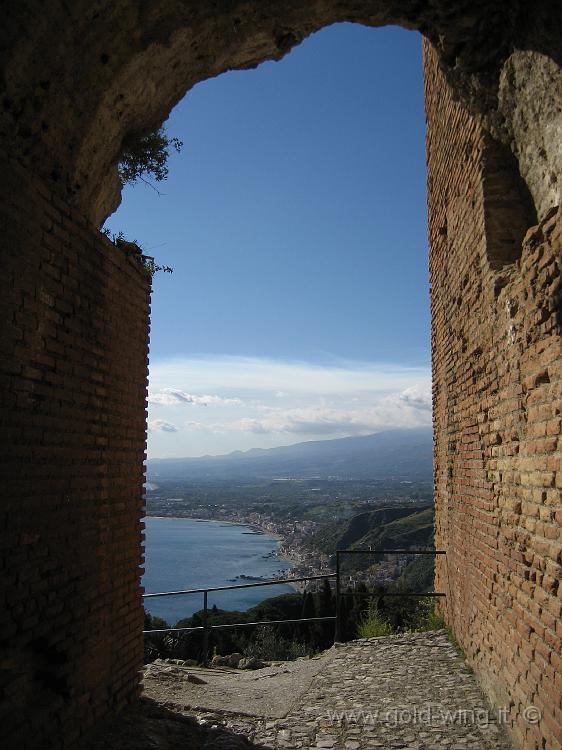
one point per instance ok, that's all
(269, 693)
(410, 691)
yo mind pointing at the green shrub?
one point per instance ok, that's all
(132, 248)
(373, 624)
(425, 616)
(146, 155)
(267, 645)
(435, 619)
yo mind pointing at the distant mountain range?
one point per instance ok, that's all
(394, 454)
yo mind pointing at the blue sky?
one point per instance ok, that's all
(295, 221)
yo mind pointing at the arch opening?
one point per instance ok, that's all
(74, 342)
(135, 66)
(289, 193)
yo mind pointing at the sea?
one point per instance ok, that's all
(185, 553)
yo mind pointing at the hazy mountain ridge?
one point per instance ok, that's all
(399, 454)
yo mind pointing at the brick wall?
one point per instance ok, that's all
(73, 373)
(497, 369)
(73, 366)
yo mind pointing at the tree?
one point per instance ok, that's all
(156, 645)
(324, 631)
(326, 599)
(308, 610)
(146, 155)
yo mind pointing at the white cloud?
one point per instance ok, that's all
(252, 425)
(173, 396)
(251, 374)
(392, 411)
(197, 426)
(281, 402)
(161, 425)
(418, 397)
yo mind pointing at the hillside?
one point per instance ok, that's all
(403, 455)
(388, 527)
(385, 528)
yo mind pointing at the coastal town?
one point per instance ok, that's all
(294, 539)
(299, 540)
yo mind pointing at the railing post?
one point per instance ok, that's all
(337, 637)
(205, 630)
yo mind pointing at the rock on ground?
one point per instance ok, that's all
(409, 691)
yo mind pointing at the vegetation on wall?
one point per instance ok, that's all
(132, 247)
(147, 155)
(144, 156)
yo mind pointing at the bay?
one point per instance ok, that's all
(185, 553)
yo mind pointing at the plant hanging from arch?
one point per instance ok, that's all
(148, 155)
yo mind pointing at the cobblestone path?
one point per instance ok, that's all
(409, 691)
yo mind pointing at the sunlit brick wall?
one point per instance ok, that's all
(497, 370)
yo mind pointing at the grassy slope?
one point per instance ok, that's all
(385, 527)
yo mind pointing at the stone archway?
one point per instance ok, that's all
(79, 80)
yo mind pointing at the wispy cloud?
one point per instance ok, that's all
(418, 397)
(161, 425)
(265, 402)
(241, 374)
(257, 426)
(174, 396)
(410, 408)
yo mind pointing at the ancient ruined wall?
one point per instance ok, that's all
(79, 80)
(118, 67)
(497, 369)
(73, 370)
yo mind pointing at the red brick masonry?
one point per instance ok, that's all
(497, 385)
(73, 374)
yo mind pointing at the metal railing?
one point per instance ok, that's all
(206, 627)
(341, 552)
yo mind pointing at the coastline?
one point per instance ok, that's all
(179, 559)
(294, 557)
(252, 526)
(285, 558)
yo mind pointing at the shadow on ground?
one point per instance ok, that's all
(412, 691)
(150, 726)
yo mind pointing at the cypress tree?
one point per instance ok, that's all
(308, 610)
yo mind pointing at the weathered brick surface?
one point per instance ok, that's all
(73, 370)
(73, 366)
(120, 66)
(497, 385)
